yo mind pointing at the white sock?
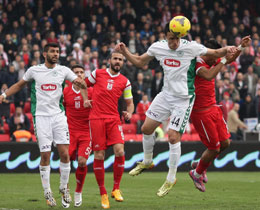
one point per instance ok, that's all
(45, 177)
(148, 143)
(174, 157)
(64, 174)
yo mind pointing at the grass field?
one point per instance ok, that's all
(225, 190)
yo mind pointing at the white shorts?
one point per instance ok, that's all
(50, 129)
(178, 109)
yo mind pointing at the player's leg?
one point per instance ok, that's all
(44, 138)
(174, 138)
(63, 150)
(84, 150)
(61, 138)
(99, 145)
(157, 112)
(118, 167)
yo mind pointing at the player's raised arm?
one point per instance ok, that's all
(137, 60)
(218, 53)
(13, 89)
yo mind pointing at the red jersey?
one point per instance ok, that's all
(77, 114)
(142, 108)
(204, 89)
(106, 91)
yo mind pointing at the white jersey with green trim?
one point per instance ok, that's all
(47, 88)
(178, 66)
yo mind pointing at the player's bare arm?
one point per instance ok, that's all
(137, 60)
(218, 53)
(13, 89)
(129, 109)
(80, 83)
(210, 74)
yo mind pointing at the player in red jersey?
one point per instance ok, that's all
(105, 125)
(206, 116)
(78, 121)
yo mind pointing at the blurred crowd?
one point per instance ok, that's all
(87, 30)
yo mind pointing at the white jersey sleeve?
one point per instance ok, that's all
(92, 77)
(70, 75)
(197, 49)
(28, 76)
(152, 50)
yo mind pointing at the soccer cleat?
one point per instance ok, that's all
(165, 188)
(77, 199)
(204, 175)
(198, 182)
(65, 198)
(140, 168)
(105, 201)
(117, 195)
(49, 199)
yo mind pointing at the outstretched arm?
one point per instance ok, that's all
(13, 89)
(137, 60)
(218, 53)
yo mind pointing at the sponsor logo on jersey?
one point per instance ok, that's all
(110, 83)
(77, 98)
(48, 87)
(172, 62)
(152, 113)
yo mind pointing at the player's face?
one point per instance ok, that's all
(52, 56)
(79, 72)
(212, 60)
(173, 41)
(116, 62)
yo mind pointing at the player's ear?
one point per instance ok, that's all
(44, 54)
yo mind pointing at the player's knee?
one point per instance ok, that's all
(225, 144)
(119, 153)
(82, 162)
(174, 136)
(146, 130)
(100, 155)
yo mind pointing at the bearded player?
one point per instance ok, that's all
(78, 121)
(206, 116)
(105, 125)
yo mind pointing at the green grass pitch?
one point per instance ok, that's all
(225, 190)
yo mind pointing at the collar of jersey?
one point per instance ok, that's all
(111, 74)
(76, 91)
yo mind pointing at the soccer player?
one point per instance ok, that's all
(78, 121)
(206, 116)
(177, 57)
(50, 121)
(105, 125)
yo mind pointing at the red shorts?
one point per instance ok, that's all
(211, 127)
(80, 145)
(106, 132)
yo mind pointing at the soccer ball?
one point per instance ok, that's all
(179, 26)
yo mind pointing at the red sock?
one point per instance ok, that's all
(80, 177)
(119, 166)
(99, 171)
(202, 166)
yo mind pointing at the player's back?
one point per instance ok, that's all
(204, 89)
(77, 114)
(106, 91)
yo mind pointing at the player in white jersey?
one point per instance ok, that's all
(50, 122)
(177, 57)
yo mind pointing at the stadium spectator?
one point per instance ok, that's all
(251, 79)
(19, 121)
(106, 130)
(141, 109)
(78, 122)
(157, 83)
(234, 123)
(245, 60)
(241, 85)
(50, 118)
(247, 108)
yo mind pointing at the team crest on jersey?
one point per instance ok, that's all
(54, 73)
(77, 98)
(48, 87)
(110, 83)
(77, 104)
(172, 62)
(180, 53)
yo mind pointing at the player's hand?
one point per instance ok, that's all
(120, 47)
(127, 115)
(230, 57)
(87, 103)
(246, 41)
(80, 83)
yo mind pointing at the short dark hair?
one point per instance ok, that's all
(52, 44)
(166, 28)
(112, 52)
(77, 66)
(212, 44)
